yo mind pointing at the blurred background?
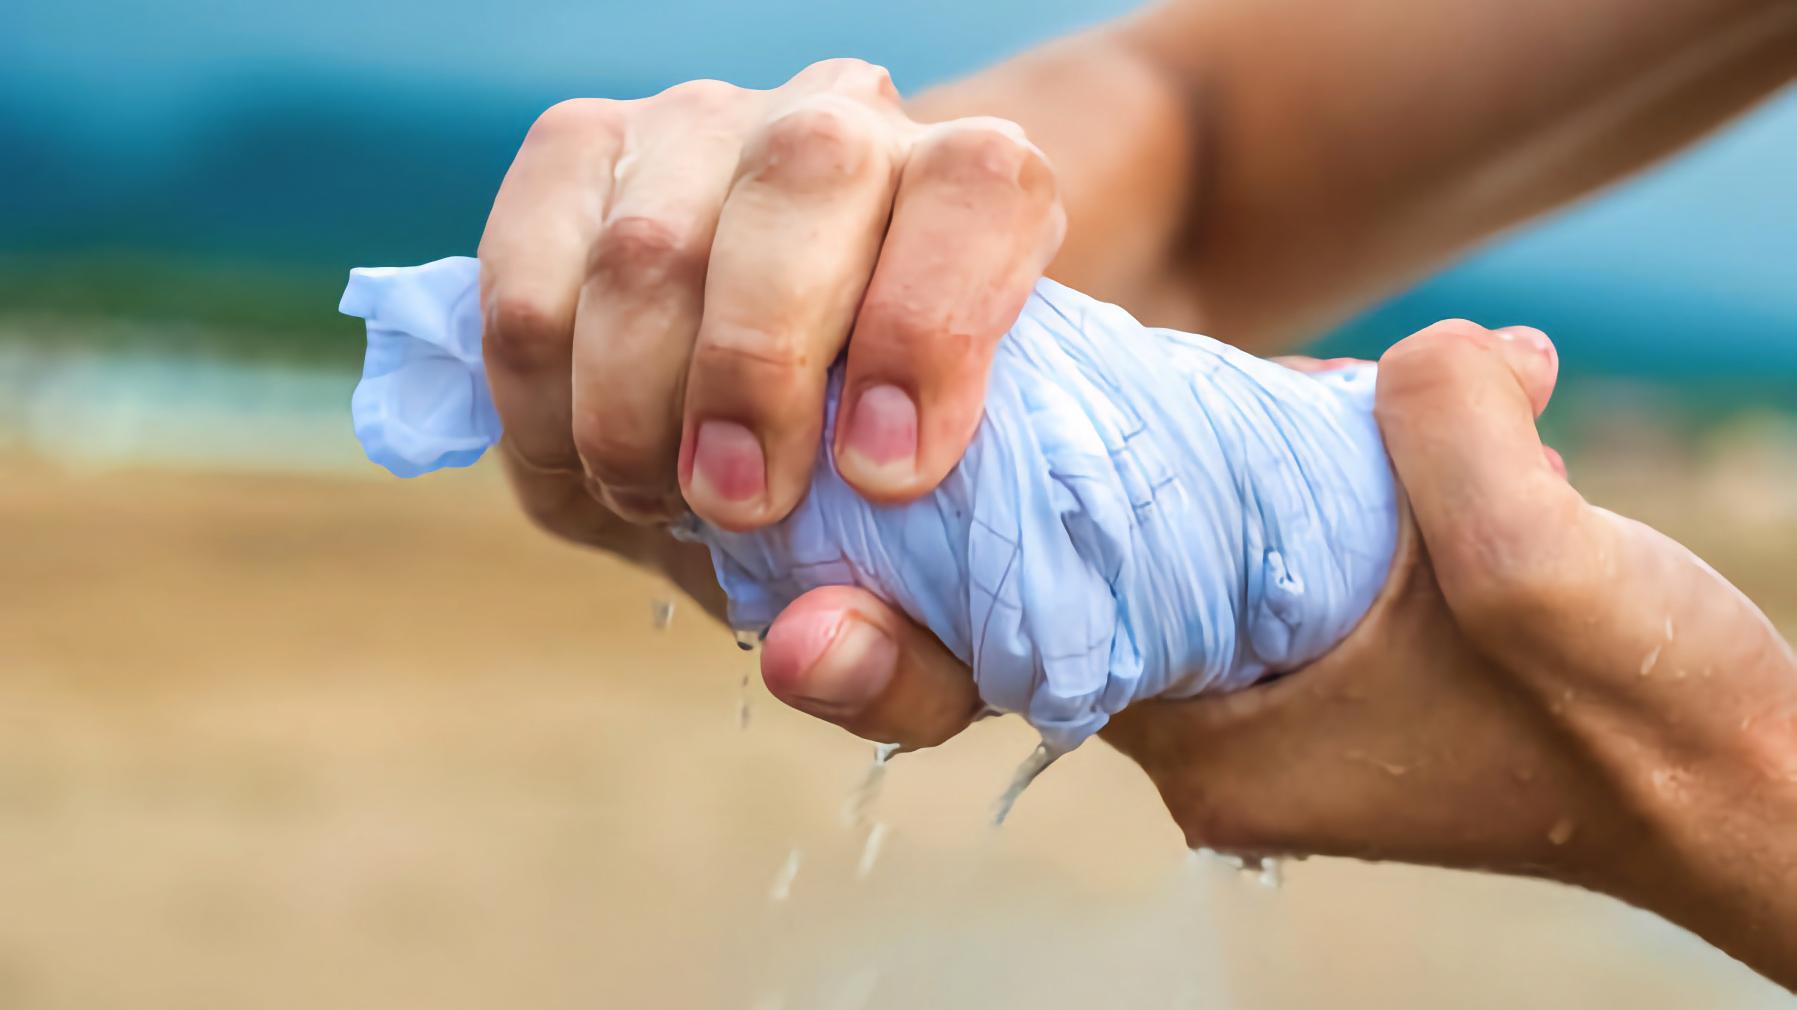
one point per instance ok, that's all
(278, 731)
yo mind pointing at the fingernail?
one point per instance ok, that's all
(727, 463)
(1530, 337)
(881, 441)
(842, 663)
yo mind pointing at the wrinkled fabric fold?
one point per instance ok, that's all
(1142, 512)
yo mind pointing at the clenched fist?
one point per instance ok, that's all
(666, 282)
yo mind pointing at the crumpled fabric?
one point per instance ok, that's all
(1142, 513)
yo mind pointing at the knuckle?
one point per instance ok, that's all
(575, 117)
(822, 143)
(751, 359)
(910, 330)
(1424, 367)
(753, 374)
(838, 65)
(1451, 332)
(1448, 336)
(1440, 346)
(524, 332)
(862, 79)
(835, 69)
(823, 70)
(704, 92)
(981, 152)
(561, 506)
(639, 250)
(618, 448)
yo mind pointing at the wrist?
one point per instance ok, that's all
(1124, 165)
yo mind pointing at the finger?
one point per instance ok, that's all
(557, 501)
(795, 244)
(974, 224)
(640, 306)
(841, 655)
(533, 256)
(1504, 531)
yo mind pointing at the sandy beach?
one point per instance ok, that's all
(342, 741)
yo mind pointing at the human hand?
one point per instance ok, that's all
(1544, 688)
(666, 283)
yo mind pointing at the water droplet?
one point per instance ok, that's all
(781, 888)
(1651, 660)
(1668, 627)
(1566, 698)
(746, 639)
(1391, 768)
(1228, 859)
(742, 702)
(1562, 831)
(1264, 869)
(1032, 766)
(1272, 873)
(661, 613)
(861, 800)
(687, 528)
(870, 851)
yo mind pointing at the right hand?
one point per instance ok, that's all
(666, 282)
(1544, 687)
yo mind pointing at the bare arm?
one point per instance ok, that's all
(1261, 168)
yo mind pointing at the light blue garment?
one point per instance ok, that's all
(1142, 513)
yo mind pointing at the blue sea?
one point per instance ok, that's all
(336, 132)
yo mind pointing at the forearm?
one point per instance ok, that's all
(1260, 168)
(1355, 145)
(1683, 696)
(1722, 860)
(1726, 869)
(1120, 135)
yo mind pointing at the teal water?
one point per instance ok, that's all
(219, 142)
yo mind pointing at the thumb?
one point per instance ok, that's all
(840, 654)
(1457, 404)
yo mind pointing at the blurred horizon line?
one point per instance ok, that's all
(246, 207)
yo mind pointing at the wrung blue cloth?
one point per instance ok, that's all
(1142, 513)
